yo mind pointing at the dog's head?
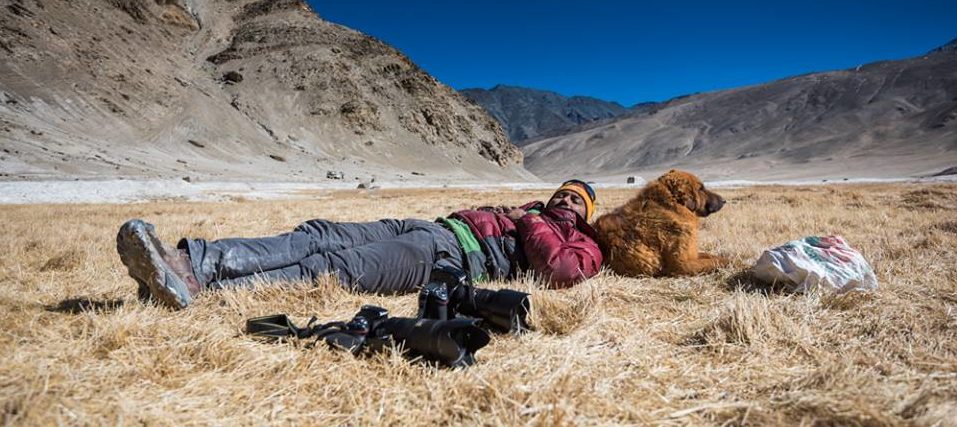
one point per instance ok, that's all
(689, 191)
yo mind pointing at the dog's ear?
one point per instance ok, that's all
(686, 190)
(679, 186)
(691, 202)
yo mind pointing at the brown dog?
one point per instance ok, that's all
(656, 233)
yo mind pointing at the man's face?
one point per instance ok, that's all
(568, 200)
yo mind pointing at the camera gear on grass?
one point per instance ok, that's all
(447, 329)
(452, 343)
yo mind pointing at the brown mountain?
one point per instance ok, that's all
(225, 89)
(886, 119)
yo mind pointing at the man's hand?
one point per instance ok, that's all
(516, 213)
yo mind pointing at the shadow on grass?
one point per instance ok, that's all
(79, 305)
(745, 280)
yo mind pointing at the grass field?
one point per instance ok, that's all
(76, 347)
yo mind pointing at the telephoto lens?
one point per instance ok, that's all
(504, 310)
(450, 342)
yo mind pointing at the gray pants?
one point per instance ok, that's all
(386, 256)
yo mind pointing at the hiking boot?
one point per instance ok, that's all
(162, 272)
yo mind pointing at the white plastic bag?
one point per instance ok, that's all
(827, 262)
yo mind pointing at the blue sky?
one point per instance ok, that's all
(633, 51)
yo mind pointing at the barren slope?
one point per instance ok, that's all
(893, 118)
(225, 89)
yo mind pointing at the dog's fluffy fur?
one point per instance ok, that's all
(656, 233)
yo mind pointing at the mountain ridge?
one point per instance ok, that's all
(527, 113)
(887, 117)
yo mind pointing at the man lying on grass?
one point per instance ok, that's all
(553, 240)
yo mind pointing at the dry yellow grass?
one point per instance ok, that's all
(77, 348)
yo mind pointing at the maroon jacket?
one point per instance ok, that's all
(557, 244)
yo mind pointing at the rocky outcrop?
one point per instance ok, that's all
(219, 89)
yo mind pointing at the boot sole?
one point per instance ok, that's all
(140, 251)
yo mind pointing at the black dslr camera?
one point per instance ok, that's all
(451, 295)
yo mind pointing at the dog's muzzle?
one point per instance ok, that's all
(714, 204)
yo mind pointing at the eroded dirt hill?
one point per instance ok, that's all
(225, 89)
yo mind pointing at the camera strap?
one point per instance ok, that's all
(278, 326)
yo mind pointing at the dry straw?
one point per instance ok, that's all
(76, 347)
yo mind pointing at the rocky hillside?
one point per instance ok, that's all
(225, 89)
(527, 114)
(885, 119)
